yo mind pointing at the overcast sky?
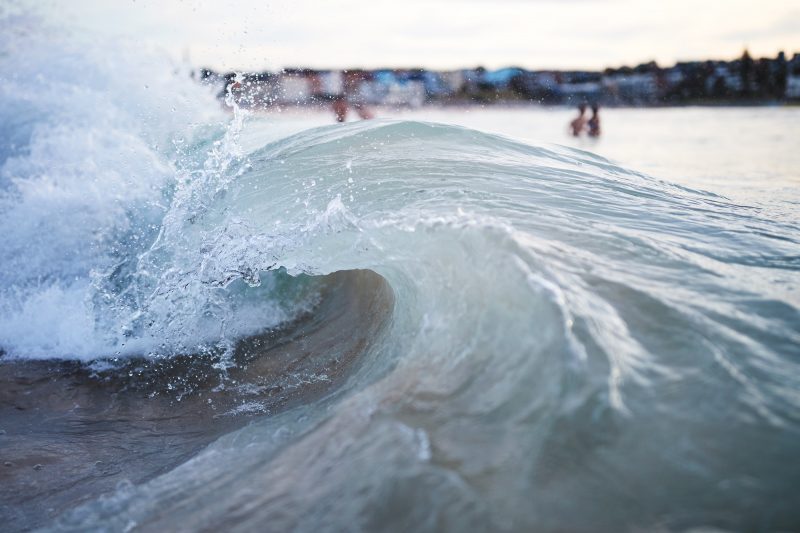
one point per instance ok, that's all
(561, 34)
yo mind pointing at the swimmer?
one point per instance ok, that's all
(594, 123)
(579, 123)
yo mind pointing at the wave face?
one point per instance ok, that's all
(571, 345)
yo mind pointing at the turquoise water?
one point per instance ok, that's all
(568, 344)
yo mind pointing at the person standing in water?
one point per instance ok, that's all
(340, 107)
(351, 97)
(593, 124)
(578, 124)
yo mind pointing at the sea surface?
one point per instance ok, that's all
(438, 320)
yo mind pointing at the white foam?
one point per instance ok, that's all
(96, 138)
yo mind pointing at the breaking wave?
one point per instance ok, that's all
(561, 343)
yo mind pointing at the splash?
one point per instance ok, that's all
(102, 164)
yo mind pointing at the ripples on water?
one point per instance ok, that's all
(515, 336)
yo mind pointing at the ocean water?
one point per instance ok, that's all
(747, 154)
(438, 321)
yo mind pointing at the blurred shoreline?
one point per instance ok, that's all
(742, 82)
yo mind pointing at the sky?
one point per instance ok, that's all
(442, 34)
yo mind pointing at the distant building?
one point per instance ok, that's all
(454, 80)
(723, 82)
(642, 84)
(435, 85)
(588, 91)
(259, 90)
(372, 92)
(325, 83)
(410, 93)
(542, 87)
(294, 88)
(473, 78)
(793, 87)
(793, 78)
(673, 76)
(500, 79)
(579, 87)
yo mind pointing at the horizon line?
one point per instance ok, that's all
(788, 55)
